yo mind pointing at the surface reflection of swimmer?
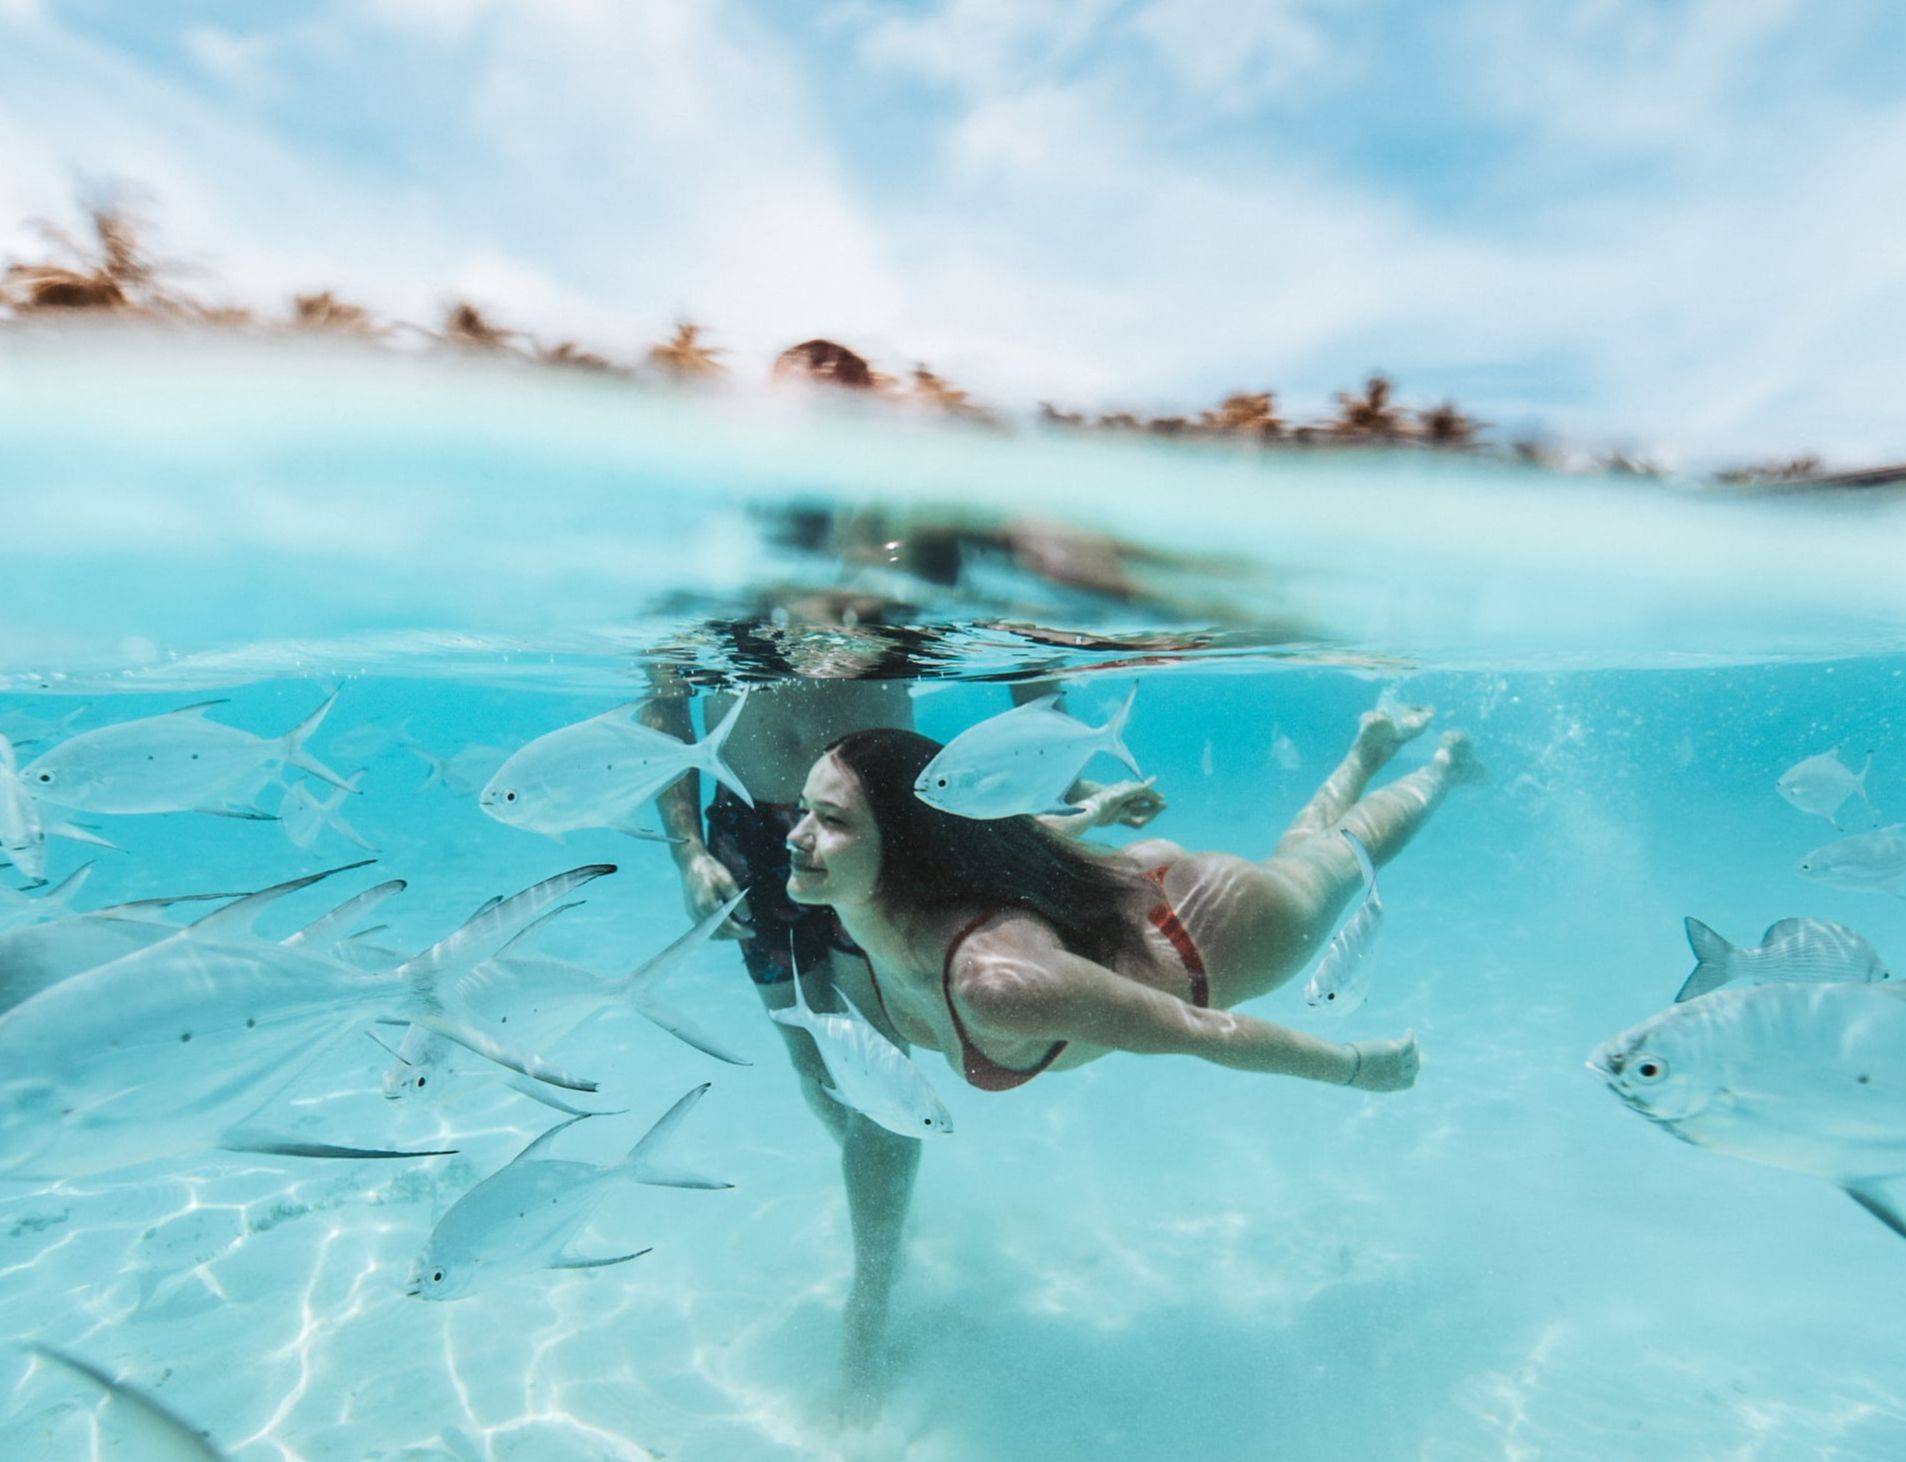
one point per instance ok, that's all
(827, 669)
(1015, 950)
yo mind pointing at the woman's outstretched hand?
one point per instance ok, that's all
(1131, 803)
(706, 886)
(1386, 1065)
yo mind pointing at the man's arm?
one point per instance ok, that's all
(706, 881)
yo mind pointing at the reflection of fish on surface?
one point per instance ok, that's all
(1875, 861)
(598, 773)
(1822, 784)
(522, 1218)
(542, 1000)
(176, 762)
(1806, 1077)
(175, 1048)
(1020, 761)
(1791, 951)
(148, 1430)
(1341, 980)
(868, 1072)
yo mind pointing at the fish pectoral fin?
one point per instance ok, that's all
(628, 827)
(243, 814)
(1884, 1198)
(579, 1261)
(538, 1091)
(257, 1139)
(687, 1031)
(462, 1033)
(834, 1092)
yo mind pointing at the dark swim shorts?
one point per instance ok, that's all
(751, 843)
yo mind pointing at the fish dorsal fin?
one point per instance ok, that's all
(197, 708)
(1048, 702)
(495, 922)
(236, 918)
(139, 908)
(322, 932)
(540, 1143)
(652, 970)
(1884, 1198)
(643, 1162)
(163, 1431)
(522, 937)
(853, 1011)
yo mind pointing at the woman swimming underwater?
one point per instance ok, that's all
(1016, 950)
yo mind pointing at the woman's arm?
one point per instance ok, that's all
(1060, 996)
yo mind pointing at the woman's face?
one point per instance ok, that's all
(834, 850)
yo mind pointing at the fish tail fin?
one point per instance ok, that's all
(302, 759)
(1115, 732)
(1711, 955)
(434, 777)
(63, 891)
(334, 817)
(646, 1162)
(708, 752)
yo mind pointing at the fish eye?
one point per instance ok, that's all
(420, 1082)
(509, 796)
(46, 776)
(928, 1121)
(1331, 996)
(942, 781)
(436, 1276)
(1651, 1069)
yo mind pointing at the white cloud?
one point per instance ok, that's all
(591, 169)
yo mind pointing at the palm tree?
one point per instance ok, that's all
(325, 311)
(1245, 414)
(568, 353)
(114, 273)
(1370, 415)
(464, 324)
(1050, 415)
(684, 356)
(1445, 426)
(933, 390)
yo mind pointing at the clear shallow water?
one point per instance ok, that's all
(1126, 1260)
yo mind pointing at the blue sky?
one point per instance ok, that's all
(1669, 226)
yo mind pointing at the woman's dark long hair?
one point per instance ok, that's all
(931, 860)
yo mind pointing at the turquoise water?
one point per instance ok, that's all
(1137, 1259)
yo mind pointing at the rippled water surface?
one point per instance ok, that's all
(1143, 1258)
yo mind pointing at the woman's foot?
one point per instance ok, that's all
(1457, 756)
(1382, 733)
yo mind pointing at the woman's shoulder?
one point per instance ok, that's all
(977, 938)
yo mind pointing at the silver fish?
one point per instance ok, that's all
(304, 816)
(1341, 980)
(1811, 1078)
(1791, 951)
(132, 1419)
(176, 762)
(1822, 784)
(42, 955)
(464, 772)
(868, 1072)
(598, 773)
(1874, 861)
(542, 1000)
(522, 1218)
(175, 1048)
(1020, 761)
(18, 909)
(22, 726)
(1284, 751)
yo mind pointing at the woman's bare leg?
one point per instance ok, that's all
(1296, 896)
(1380, 734)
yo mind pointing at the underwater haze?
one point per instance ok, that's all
(1144, 1258)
